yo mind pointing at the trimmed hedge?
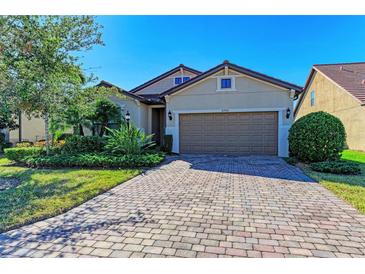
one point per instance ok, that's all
(317, 137)
(83, 144)
(19, 153)
(94, 160)
(337, 167)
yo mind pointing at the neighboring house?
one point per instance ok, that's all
(28, 130)
(227, 109)
(338, 89)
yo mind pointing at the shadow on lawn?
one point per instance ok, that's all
(32, 193)
(353, 180)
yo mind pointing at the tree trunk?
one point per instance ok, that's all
(81, 130)
(20, 126)
(46, 128)
(102, 130)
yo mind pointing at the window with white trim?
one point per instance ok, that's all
(180, 80)
(313, 97)
(226, 83)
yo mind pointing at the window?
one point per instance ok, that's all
(226, 83)
(312, 98)
(179, 80)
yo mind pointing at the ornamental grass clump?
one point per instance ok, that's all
(128, 140)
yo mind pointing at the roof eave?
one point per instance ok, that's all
(242, 70)
(124, 92)
(163, 75)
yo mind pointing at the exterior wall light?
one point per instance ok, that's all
(170, 115)
(287, 113)
(127, 117)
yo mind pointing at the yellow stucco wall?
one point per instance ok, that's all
(138, 111)
(249, 95)
(331, 98)
(32, 130)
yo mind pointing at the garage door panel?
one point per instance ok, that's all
(231, 133)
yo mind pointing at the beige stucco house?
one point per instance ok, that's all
(30, 129)
(338, 89)
(228, 109)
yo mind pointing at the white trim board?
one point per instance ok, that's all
(229, 110)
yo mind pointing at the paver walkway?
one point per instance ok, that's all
(202, 206)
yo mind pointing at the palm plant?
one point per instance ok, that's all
(128, 139)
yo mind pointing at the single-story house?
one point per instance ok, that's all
(338, 89)
(227, 109)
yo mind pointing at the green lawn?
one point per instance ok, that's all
(45, 193)
(350, 188)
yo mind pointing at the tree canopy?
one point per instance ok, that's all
(40, 61)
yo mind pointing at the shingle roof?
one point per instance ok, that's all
(166, 74)
(350, 76)
(126, 93)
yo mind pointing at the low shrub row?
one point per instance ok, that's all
(337, 167)
(82, 144)
(127, 146)
(94, 160)
(17, 154)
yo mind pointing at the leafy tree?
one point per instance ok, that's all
(81, 111)
(105, 113)
(41, 62)
(7, 117)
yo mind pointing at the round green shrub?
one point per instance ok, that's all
(317, 137)
(337, 167)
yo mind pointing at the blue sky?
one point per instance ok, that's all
(138, 48)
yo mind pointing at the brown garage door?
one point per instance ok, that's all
(229, 133)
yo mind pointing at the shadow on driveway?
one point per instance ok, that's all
(260, 166)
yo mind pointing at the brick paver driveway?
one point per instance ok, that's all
(202, 206)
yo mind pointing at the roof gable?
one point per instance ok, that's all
(349, 76)
(164, 75)
(248, 72)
